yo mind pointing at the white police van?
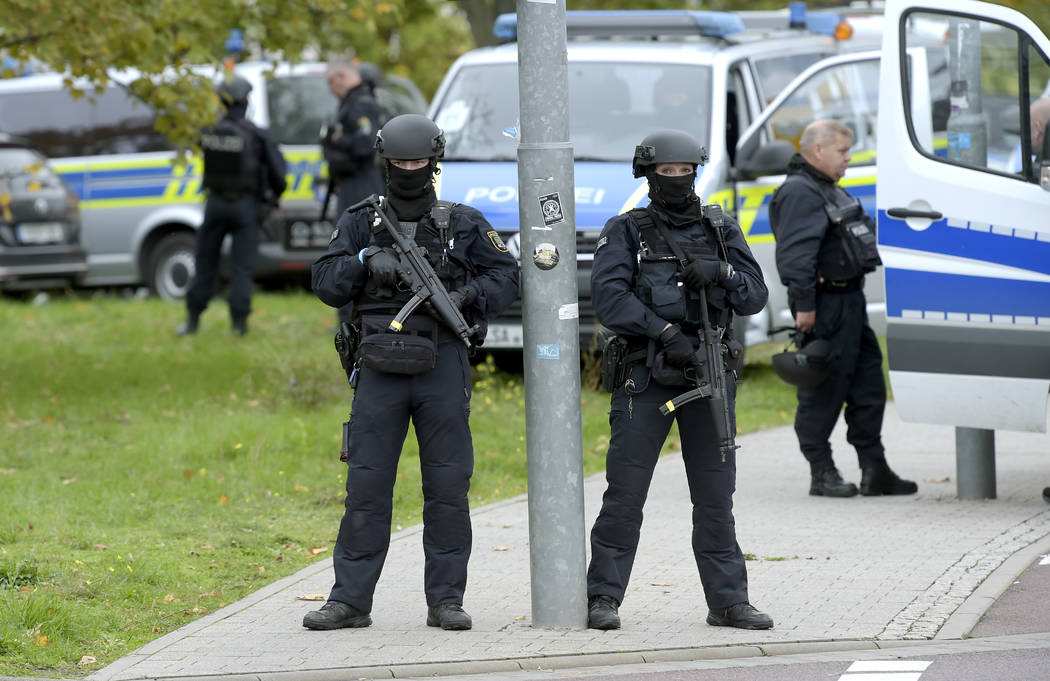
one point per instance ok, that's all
(963, 220)
(139, 210)
(712, 74)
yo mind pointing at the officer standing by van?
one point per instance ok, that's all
(650, 296)
(348, 142)
(244, 174)
(825, 244)
(422, 374)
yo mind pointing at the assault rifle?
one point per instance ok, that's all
(423, 282)
(709, 373)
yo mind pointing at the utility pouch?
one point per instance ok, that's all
(614, 364)
(398, 353)
(857, 237)
(665, 373)
(734, 354)
(347, 342)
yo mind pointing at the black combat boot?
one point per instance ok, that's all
(602, 613)
(188, 327)
(240, 326)
(741, 616)
(879, 479)
(1046, 494)
(828, 483)
(336, 615)
(449, 616)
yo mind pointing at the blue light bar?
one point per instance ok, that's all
(823, 23)
(647, 23)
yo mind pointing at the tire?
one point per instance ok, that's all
(171, 266)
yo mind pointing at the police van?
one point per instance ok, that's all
(717, 75)
(963, 199)
(139, 209)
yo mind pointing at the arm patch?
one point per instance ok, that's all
(497, 241)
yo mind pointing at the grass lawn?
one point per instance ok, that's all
(147, 480)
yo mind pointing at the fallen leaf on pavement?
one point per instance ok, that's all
(500, 548)
(935, 480)
(312, 597)
(661, 584)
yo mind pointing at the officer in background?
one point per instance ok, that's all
(645, 294)
(348, 141)
(361, 266)
(244, 174)
(825, 244)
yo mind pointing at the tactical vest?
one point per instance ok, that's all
(658, 285)
(434, 234)
(231, 164)
(849, 249)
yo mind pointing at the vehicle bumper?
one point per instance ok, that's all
(39, 266)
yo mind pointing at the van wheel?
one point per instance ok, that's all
(171, 266)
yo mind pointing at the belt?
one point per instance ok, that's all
(841, 286)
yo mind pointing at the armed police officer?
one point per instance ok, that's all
(244, 175)
(422, 373)
(659, 273)
(825, 244)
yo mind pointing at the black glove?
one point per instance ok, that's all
(462, 297)
(384, 267)
(677, 347)
(702, 272)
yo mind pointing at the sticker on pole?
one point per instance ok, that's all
(545, 256)
(550, 206)
(548, 351)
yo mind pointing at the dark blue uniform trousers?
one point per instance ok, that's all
(240, 219)
(638, 433)
(856, 380)
(438, 403)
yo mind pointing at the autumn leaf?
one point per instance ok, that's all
(500, 548)
(937, 480)
(314, 550)
(223, 499)
(100, 547)
(662, 584)
(86, 660)
(170, 598)
(42, 640)
(312, 597)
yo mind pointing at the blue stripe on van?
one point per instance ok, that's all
(1003, 245)
(935, 294)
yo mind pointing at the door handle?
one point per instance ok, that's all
(909, 213)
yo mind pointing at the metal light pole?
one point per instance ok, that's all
(550, 310)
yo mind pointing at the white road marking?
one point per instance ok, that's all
(885, 670)
(1045, 560)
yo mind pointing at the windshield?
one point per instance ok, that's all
(299, 106)
(611, 108)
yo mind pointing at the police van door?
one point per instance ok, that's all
(845, 88)
(963, 216)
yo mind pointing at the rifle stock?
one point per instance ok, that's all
(425, 285)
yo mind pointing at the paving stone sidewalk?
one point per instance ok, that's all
(857, 571)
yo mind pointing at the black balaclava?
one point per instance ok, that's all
(410, 192)
(675, 197)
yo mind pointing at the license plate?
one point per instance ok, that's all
(41, 233)
(307, 235)
(502, 336)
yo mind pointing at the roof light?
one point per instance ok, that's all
(648, 23)
(844, 31)
(824, 23)
(797, 15)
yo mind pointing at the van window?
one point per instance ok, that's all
(612, 106)
(111, 122)
(298, 107)
(775, 72)
(979, 111)
(845, 92)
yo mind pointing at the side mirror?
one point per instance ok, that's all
(769, 159)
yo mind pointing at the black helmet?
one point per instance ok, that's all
(410, 136)
(667, 146)
(233, 90)
(805, 368)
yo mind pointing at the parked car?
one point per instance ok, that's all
(39, 222)
(140, 210)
